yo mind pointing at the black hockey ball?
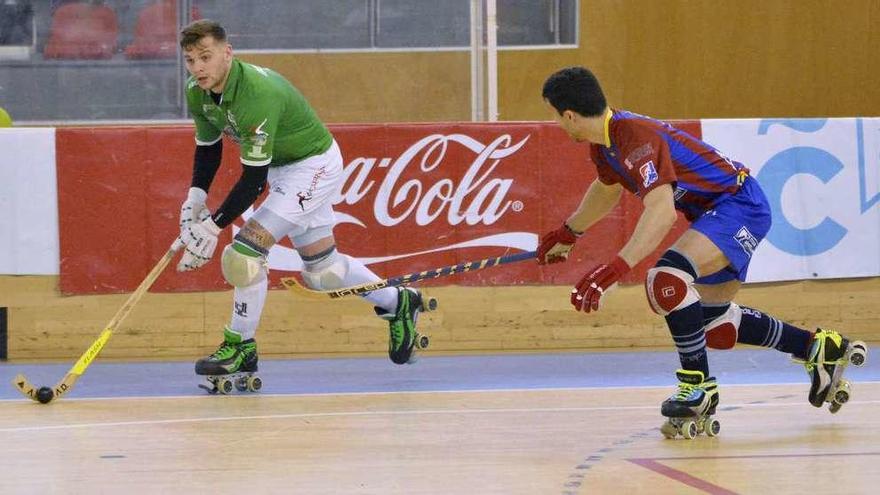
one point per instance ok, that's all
(45, 394)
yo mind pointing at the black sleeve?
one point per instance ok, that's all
(242, 195)
(205, 164)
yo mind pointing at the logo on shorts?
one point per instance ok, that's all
(679, 193)
(303, 197)
(648, 173)
(746, 240)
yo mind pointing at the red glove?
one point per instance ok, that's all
(556, 245)
(589, 291)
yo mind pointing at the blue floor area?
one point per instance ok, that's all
(430, 373)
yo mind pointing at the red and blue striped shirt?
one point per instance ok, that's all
(641, 153)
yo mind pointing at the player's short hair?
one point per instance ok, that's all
(576, 89)
(192, 34)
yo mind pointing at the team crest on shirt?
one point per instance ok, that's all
(746, 240)
(648, 173)
(261, 137)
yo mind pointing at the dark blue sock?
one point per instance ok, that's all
(686, 324)
(757, 328)
(762, 329)
(686, 328)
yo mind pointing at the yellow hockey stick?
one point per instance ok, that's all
(62, 387)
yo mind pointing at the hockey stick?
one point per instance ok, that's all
(297, 288)
(62, 387)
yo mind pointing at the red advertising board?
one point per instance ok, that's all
(416, 196)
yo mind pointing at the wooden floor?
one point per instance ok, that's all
(499, 442)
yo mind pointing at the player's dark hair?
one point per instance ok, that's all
(196, 30)
(576, 89)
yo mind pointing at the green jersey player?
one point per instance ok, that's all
(282, 141)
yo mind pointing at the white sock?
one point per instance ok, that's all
(247, 307)
(358, 274)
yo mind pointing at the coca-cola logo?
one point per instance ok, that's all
(414, 185)
(479, 196)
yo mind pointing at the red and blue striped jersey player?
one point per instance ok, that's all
(694, 282)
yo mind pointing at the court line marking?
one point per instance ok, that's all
(376, 413)
(199, 396)
(682, 477)
(653, 464)
(756, 456)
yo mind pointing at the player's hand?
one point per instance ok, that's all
(556, 245)
(587, 294)
(193, 210)
(199, 242)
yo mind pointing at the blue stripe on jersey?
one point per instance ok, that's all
(697, 164)
(684, 158)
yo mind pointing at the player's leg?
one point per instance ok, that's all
(727, 324)
(671, 293)
(244, 267)
(824, 353)
(737, 227)
(300, 205)
(325, 269)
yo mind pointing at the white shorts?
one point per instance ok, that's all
(302, 193)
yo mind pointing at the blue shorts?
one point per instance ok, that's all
(736, 226)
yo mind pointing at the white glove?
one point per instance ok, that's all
(193, 209)
(199, 242)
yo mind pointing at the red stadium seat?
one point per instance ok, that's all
(82, 31)
(155, 34)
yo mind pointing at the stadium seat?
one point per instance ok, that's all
(82, 31)
(155, 33)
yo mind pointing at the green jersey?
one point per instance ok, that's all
(267, 116)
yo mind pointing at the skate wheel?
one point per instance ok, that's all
(422, 341)
(842, 394)
(241, 384)
(224, 386)
(689, 429)
(713, 427)
(859, 353)
(254, 383)
(834, 407)
(668, 430)
(429, 304)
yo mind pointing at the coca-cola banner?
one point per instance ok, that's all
(416, 196)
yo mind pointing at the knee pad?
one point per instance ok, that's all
(670, 289)
(328, 273)
(722, 332)
(242, 269)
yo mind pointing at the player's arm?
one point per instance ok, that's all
(654, 224)
(206, 161)
(200, 239)
(599, 199)
(656, 221)
(249, 186)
